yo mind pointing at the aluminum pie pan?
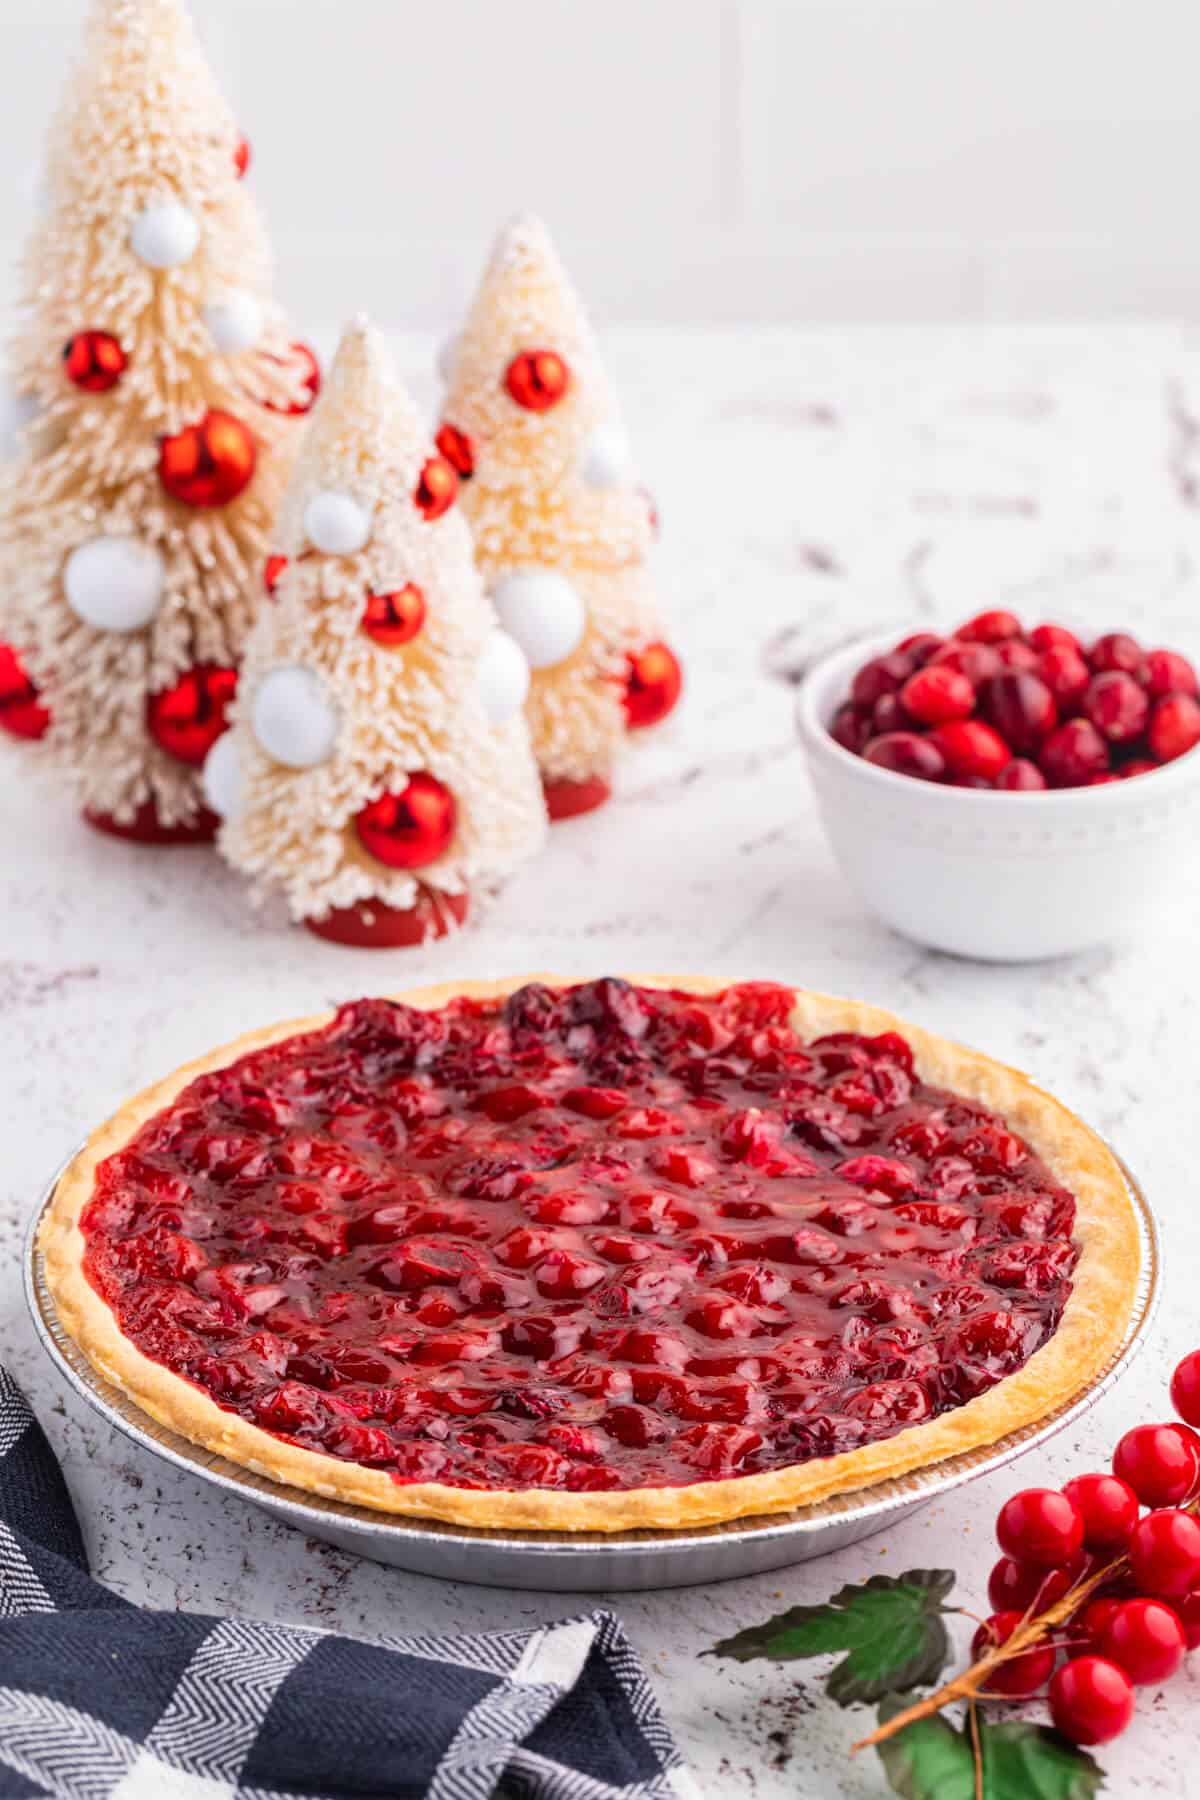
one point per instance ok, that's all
(589, 1562)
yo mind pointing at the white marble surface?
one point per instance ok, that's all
(810, 483)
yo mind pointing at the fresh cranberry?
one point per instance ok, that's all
(971, 749)
(851, 728)
(1021, 776)
(935, 695)
(889, 714)
(990, 627)
(1174, 727)
(1091, 1700)
(1185, 1388)
(907, 754)
(1053, 637)
(1021, 707)
(1164, 1553)
(1159, 1462)
(882, 675)
(920, 646)
(1117, 650)
(1041, 1526)
(1145, 1638)
(1022, 1675)
(1073, 754)
(1139, 765)
(1169, 673)
(1066, 674)
(1117, 706)
(1017, 655)
(975, 661)
(1108, 1507)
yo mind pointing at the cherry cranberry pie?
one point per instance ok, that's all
(595, 1256)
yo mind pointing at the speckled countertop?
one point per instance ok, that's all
(811, 484)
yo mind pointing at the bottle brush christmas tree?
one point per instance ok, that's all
(562, 530)
(379, 765)
(136, 516)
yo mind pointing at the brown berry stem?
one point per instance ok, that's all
(973, 1681)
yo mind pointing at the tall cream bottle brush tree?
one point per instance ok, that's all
(136, 516)
(379, 767)
(562, 529)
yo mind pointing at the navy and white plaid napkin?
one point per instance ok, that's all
(101, 1700)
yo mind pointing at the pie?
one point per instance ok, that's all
(593, 1257)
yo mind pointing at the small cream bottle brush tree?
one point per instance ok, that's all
(562, 529)
(137, 513)
(379, 767)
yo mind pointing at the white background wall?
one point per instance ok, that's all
(702, 159)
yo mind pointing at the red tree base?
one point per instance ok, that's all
(370, 925)
(566, 799)
(146, 828)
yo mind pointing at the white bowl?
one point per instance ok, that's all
(1008, 877)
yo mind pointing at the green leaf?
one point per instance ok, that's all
(928, 1760)
(931, 1760)
(1031, 1762)
(891, 1625)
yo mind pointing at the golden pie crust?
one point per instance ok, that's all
(1089, 1333)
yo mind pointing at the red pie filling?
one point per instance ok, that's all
(599, 1238)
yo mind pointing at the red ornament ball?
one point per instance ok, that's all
(1164, 1553)
(1159, 1462)
(1022, 1675)
(410, 829)
(208, 464)
(537, 379)
(241, 157)
(309, 371)
(273, 572)
(1040, 1525)
(1020, 1586)
(94, 361)
(437, 490)
(1145, 1638)
(458, 448)
(21, 712)
(1108, 1507)
(186, 719)
(395, 618)
(1185, 1388)
(653, 684)
(1091, 1700)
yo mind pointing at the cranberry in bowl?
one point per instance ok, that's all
(1007, 791)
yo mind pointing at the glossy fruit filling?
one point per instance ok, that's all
(599, 1237)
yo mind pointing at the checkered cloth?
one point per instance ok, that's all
(100, 1700)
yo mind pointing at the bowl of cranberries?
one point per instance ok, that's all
(1007, 792)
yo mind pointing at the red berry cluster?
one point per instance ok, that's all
(997, 707)
(1134, 1622)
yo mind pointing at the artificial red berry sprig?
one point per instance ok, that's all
(1097, 1593)
(994, 706)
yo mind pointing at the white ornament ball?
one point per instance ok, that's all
(606, 460)
(114, 583)
(543, 612)
(446, 358)
(336, 523)
(165, 234)
(503, 677)
(221, 777)
(295, 720)
(235, 321)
